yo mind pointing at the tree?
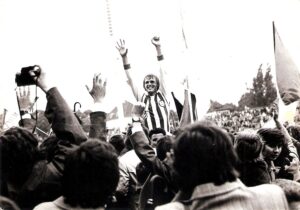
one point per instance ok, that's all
(262, 93)
(271, 93)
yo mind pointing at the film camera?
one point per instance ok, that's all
(24, 78)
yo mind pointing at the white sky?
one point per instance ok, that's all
(227, 41)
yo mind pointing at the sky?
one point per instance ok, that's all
(226, 41)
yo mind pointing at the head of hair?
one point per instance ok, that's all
(91, 174)
(48, 147)
(157, 131)
(152, 76)
(294, 131)
(163, 146)
(19, 153)
(248, 146)
(203, 153)
(291, 189)
(142, 172)
(118, 142)
(271, 136)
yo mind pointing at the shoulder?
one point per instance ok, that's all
(172, 205)
(46, 206)
(270, 194)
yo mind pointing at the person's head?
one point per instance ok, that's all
(142, 172)
(291, 190)
(273, 141)
(118, 142)
(248, 146)
(203, 153)
(49, 147)
(19, 153)
(294, 131)
(151, 84)
(164, 145)
(91, 174)
(155, 134)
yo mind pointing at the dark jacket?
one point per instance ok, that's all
(254, 173)
(44, 183)
(147, 155)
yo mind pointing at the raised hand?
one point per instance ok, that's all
(98, 90)
(156, 41)
(122, 48)
(138, 110)
(24, 99)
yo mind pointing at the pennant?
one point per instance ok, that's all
(187, 113)
(178, 106)
(287, 73)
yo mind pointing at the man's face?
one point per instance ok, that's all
(271, 152)
(150, 85)
(155, 137)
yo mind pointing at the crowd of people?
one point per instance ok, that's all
(201, 165)
(237, 121)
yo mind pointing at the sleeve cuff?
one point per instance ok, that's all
(136, 127)
(160, 57)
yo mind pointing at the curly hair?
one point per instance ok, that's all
(203, 153)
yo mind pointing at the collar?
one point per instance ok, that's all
(147, 94)
(210, 189)
(59, 202)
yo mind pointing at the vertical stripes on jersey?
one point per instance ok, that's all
(157, 111)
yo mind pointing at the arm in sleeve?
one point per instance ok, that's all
(64, 123)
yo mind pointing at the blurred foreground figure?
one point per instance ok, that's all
(210, 179)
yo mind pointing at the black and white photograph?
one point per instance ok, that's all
(149, 105)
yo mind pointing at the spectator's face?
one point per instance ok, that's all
(150, 85)
(155, 137)
(271, 152)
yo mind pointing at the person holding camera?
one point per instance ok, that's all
(157, 113)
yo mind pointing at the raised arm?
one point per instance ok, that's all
(26, 104)
(143, 149)
(157, 44)
(121, 47)
(64, 123)
(98, 116)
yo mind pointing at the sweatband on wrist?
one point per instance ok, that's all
(127, 66)
(160, 57)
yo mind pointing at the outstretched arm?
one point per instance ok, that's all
(288, 138)
(123, 52)
(156, 42)
(98, 116)
(26, 104)
(64, 123)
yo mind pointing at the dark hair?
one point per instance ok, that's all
(48, 148)
(155, 77)
(294, 131)
(271, 136)
(157, 131)
(91, 174)
(164, 145)
(142, 172)
(291, 189)
(274, 137)
(204, 153)
(118, 142)
(248, 146)
(19, 153)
